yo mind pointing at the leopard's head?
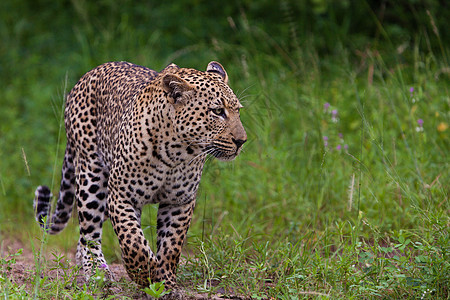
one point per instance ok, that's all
(205, 111)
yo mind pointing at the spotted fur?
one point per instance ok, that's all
(135, 137)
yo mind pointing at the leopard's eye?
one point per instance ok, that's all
(219, 111)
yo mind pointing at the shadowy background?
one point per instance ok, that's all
(333, 94)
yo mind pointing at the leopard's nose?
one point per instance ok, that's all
(238, 143)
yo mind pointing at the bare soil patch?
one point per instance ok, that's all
(23, 272)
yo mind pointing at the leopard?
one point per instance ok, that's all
(136, 136)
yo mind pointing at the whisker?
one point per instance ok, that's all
(197, 156)
(212, 155)
(197, 142)
(203, 153)
(209, 158)
(242, 92)
(243, 97)
(217, 153)
(243, 147)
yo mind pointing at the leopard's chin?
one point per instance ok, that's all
(227, 158)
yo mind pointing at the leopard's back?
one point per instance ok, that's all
(96, 105)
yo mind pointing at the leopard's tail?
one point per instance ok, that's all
(42, 199)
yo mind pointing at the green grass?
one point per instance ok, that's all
(290, 218)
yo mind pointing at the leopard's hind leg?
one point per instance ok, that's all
(92, 181)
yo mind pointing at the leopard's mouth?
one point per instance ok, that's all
(223, 152)
(224, 156)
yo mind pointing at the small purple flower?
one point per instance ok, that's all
(346, 147)
(411, 94)
(419, 128)
(103, 266)
(326, 106)
(325, 141)
(338, 147)
(334, 115)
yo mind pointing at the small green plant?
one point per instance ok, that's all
(69, 273)
(8, 288)
(156, 289)
(8, 261)
(98, 280)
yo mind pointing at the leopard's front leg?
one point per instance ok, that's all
(139, 260)
(172, 226)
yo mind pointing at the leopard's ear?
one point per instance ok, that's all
(171, 68)
(216, 67)
(176, 87)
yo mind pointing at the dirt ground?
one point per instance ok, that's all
(24, 269)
